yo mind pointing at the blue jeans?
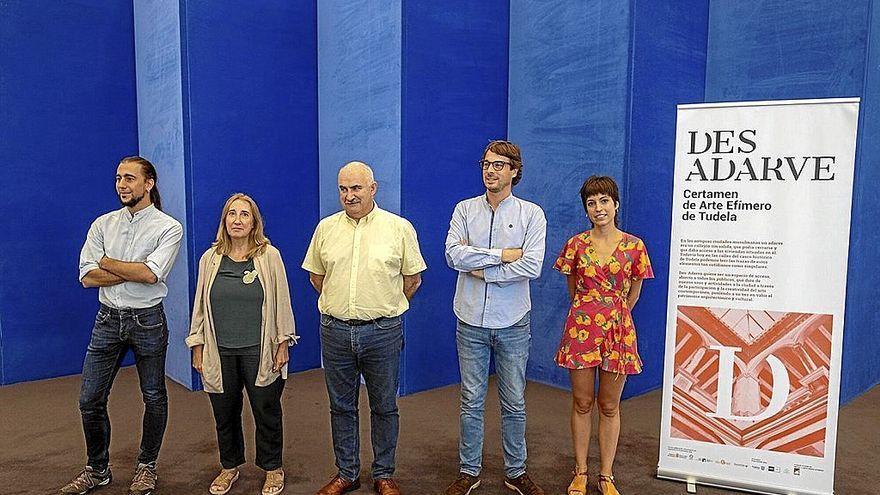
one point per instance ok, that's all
(372, 350)
(116, 331)
(511, 348)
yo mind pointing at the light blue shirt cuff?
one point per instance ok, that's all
(496, 255)
(491, 274)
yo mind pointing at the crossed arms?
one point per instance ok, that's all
(103, 271)
(112, 272)
(510, 264)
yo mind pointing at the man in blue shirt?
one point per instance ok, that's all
(496, 243)
(128, 253)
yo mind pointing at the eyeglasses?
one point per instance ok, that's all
(496, 166)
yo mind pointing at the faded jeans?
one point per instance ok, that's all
(511, 348)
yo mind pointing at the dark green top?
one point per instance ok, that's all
(237, 307)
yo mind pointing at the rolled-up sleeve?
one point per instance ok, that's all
(285, 329)
(92, 251)
(200, 311)
(312, 262)
(413, 262)
(162, 258)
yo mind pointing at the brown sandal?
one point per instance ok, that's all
(223, 482)
(609, 489)
(578, 485)
(274, 483)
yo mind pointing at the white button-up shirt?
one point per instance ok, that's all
(149, 236)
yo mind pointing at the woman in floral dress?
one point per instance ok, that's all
(605, 268)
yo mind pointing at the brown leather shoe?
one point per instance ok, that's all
(386, 486)
(339, 485)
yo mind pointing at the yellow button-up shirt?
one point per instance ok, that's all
(363, 264)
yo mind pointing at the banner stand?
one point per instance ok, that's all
(762, 198)
(728, 484)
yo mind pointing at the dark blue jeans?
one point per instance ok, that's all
(116, 331)
(372, 350)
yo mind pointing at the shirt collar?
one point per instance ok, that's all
(140, 214)
(503, 201)
(367, 218)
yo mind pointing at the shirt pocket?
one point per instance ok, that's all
(508, 233)
(386, 257)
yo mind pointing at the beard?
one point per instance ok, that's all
(497, 187)
(133, 201)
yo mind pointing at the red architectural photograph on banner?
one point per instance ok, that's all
(752, 378)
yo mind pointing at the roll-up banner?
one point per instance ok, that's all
(757, 284)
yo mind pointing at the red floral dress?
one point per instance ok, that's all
(599, 330)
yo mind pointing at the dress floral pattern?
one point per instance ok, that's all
(599, 330)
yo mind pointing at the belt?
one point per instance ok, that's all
(129, 311)
(358, 323)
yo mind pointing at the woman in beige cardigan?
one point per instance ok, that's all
(241, 328)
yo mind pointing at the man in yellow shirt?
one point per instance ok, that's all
(365, 263)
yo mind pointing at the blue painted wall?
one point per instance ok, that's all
(415, 93)
(67, 115)
(593, 90)
(359, 107)
(160, 140)
(769, 50)
(765, 50)
(2, 369)
(273, 98)
(454, 101)
(668, 63)
(251, 126)
(568, 110)
(861, 364)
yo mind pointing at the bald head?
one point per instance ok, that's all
(357, 188)
(359, 171)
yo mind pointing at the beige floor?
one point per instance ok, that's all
(41, 443)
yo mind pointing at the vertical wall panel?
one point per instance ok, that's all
(861, 364)
(67, 115)
(773, 50)
(251, 102)
(160, 138)
(668, 68)
(359, 42)
(2, 369)
(415, 90)
(454, 102)
(569, 65)
(778, 50)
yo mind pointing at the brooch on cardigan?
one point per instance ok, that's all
(249, 276)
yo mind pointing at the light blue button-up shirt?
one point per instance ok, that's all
(502, 297)
(149, 236)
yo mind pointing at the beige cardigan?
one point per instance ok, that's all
(278, 324)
